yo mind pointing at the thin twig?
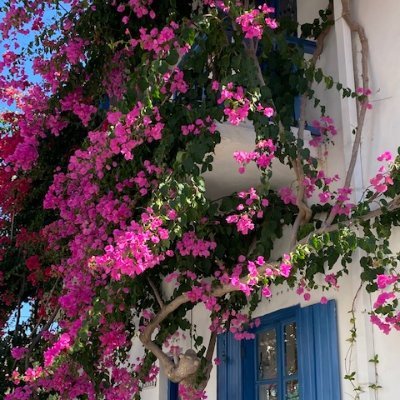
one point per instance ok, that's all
(19, 307)
(39, 335)
(156, 293)
(352, 339)
(45, 307)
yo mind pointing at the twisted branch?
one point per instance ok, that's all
(188, 363)
(305, 213)
(358, 29)
(393, 206)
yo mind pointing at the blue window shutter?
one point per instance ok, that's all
(229, 372)
(318, 356)
(249, 371)
(319, 352)
(222, 373)
(305, 339)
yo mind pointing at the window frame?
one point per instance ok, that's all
(276, 320)
(317, 352)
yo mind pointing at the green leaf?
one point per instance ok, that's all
(173, 57)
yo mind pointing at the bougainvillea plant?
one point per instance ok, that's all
(107, 234)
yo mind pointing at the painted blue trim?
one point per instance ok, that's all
(222, 370)
(318, 356)
(319, 369)
(104, 103)
(326, 351)
(308, 46)
(306, 354)
(249, 371)
(276, 317)
(172, 390)
(297, 104)
(229, 372)
(277, 321)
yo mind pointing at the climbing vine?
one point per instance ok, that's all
(107, 233)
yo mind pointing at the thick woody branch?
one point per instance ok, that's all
(394, 205)
(355, 27)
(209, 355)
(211, 347)
(188, 363)
(305, 214)
(304, 211)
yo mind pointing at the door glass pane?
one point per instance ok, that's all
(290, 349)
(292, 390)
(268, 392)
(267, 358)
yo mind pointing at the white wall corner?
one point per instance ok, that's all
(348, 106)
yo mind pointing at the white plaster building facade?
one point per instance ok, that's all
(380, 20)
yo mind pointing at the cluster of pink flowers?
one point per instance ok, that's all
(20, 393)
(131, 130)
(199, 126)
(70, 379)
(218, 4)
(199, 292)
(382, 180)
(253, 22)
(237, 106)
(287, 195)
(303, 290)
(237, 323)
(262, 156)
(133, 254)
(116, 75)
(160, 42)
(326, 128)
(73, 102)
(365, 93)
(267, 111)
(384, 281)
(190, 244)
(74, 50)
(286, 266)
(64, 342)
(251, 206)
(124, 385)
(331, 280)
(174, 82)
(140, 7)
(342, 205)
(18, 352)
(29, 127)
(190, 393)
(113, 338)
(388, 286)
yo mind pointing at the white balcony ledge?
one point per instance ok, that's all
(225, 178)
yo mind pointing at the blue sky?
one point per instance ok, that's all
(24, 41)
